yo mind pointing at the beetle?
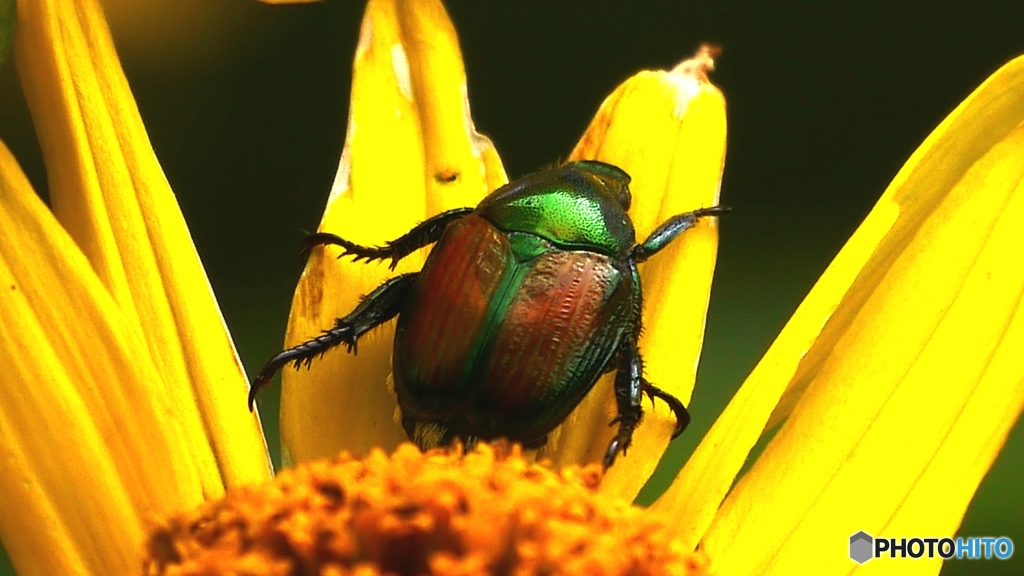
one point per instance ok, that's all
(522, 304)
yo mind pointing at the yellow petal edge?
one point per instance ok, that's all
(899, 368)
(89, 449)
(109, 192)
(411, 151)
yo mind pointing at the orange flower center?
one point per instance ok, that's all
(488, 511)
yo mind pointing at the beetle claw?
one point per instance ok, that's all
(613, 451)
(618, 444)
(627, 423)
(651, 396)
(677, 408)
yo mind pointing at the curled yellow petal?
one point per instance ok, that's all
(667, 130)
(109, 192)
(411, 151)
(902, 363)
(89, 448)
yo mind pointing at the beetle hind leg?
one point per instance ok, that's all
(426, 232)
(628, 394)
(378, 307)
(630, 386)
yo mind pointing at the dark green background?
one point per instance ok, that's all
(826, 101)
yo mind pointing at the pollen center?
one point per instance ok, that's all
(488, 511)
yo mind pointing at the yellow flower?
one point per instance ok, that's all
(895, 374)
(122, 386)
(899, 364)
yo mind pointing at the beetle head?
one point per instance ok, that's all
(614, 179)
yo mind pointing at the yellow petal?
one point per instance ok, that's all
(109, 192)
(667, 130)
(411, 152)
(90, 450)
(909, 378)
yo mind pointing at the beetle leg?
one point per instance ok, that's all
(682, 415)
(628, 394)
(426, 232)
(378, 307)
(671, 229)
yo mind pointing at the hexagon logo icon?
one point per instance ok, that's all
(861, 547)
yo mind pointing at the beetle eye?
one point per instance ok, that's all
(625, 197)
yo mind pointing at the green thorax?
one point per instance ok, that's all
(580, 206)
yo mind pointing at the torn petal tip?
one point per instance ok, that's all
(700, 64)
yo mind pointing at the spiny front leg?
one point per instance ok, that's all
(426, 232)
(378, 307)
(671, 229)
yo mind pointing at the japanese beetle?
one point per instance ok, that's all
(521, 306)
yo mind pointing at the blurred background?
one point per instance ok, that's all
(246, 106)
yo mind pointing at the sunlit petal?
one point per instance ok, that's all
(667, 130)
(109, 192)
(90, 448)
(902, 364)
(411, 151)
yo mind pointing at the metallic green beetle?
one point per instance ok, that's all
(521, 306)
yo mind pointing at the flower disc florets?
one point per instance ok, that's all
(488, 511)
